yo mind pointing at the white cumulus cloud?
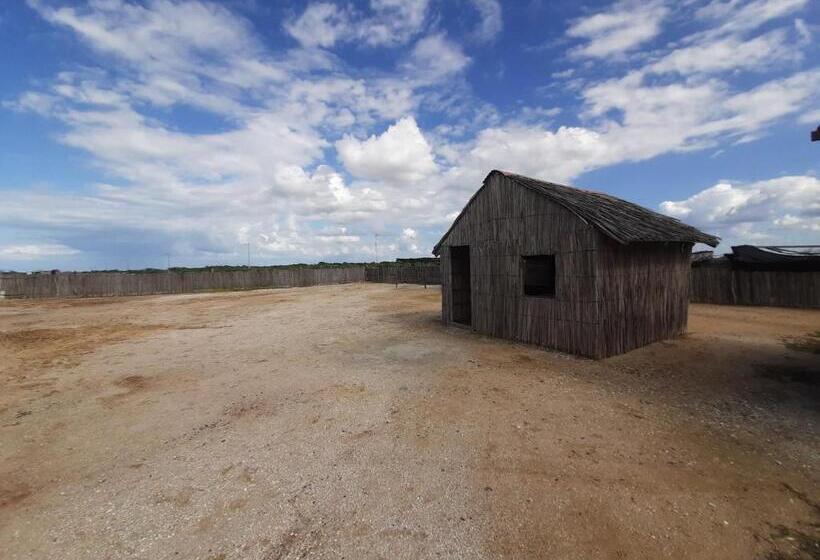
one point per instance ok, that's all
(400, 154)
(435, 57)
(784, 211)
(36, 251)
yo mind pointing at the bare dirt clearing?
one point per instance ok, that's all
(345, 421)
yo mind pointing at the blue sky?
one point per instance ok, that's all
(134, 130)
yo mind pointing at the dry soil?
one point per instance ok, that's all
(347, 422)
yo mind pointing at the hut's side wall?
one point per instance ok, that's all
(644, 293)
(503, 223)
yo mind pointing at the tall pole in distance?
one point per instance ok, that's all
(168, 257)
(249, 254)
(376, 246)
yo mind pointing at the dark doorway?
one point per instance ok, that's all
(460, 284)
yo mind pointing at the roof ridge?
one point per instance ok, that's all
(621, 220)
(517, 178)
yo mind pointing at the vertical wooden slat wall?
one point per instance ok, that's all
(644, 293)
(403, 273)
(719, 283)
(100, 284)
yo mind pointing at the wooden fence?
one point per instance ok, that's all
(99, 284)
(709, 284)
(722, 285)
(426, 273)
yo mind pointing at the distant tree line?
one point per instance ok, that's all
(228, 268)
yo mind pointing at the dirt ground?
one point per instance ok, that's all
(347, 422)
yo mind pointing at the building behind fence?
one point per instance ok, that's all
(750, 275)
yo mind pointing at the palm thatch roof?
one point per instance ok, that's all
(622, 221)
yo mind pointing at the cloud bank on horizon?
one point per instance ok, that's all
(311, 131)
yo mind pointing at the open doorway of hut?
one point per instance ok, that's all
(460, 284)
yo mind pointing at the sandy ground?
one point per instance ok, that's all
(347, 422)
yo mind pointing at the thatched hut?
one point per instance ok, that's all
(575, 270)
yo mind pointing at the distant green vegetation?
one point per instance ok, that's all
(229, 268)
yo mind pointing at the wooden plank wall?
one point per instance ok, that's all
(721, 285)
(504, 222)
(99, 284)
(711, 284)
(426, 273)
(644, 293)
